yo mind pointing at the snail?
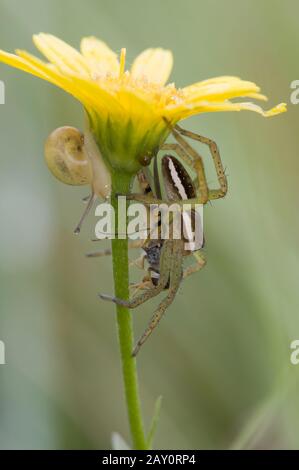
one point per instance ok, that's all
(66, 158)
(75, 159)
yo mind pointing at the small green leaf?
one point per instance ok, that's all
(154, 423)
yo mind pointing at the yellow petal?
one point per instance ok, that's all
(35, 66)
(100, 99)
(183, 112)
(66, 58)
(219, 90)
(22, 64)
(220, 79)
(89, 93)
(155, 65)
(99, 56)
(278, 109)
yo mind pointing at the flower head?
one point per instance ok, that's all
(127, 108)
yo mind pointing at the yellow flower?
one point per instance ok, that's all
(126, 107)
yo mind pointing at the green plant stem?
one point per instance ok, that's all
(121, 184)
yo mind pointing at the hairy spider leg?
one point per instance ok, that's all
(175, 277)
(108, 251)
(165, 263)
(214, 151)
(200, 262)
(86, 211)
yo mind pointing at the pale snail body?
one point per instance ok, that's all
(74, 159)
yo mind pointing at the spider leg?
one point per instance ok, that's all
(175, 280)
(179, 150)
(100, 253)
(151, 200)
(108, 251)
(144, 198)
(88, 207)
(197, 266)
(184, 150)
(86, 198)
(214, 193)
(145, 284)
(138, 262)
(165, 263)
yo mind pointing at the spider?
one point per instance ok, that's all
(165, 257)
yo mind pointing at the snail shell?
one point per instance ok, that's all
(66, 157)
(74, 158)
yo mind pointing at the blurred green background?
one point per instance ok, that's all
(220, 358)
